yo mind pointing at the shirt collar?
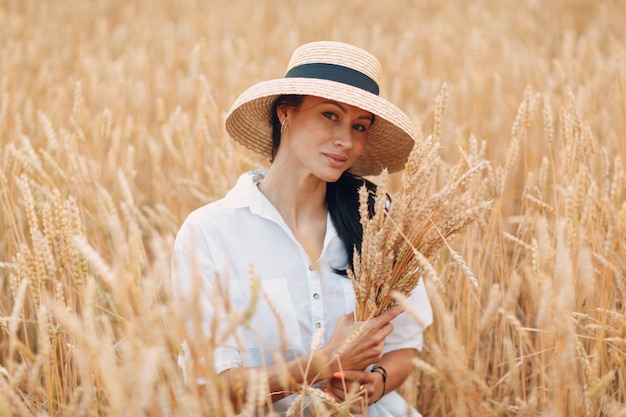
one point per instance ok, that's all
(246, 193)
(245, 190)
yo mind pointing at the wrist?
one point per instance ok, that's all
(323, 363)
(377, 369)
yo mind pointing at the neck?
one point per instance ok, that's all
(301, 202)
(293, 195)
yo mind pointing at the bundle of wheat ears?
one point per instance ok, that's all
(402, 240)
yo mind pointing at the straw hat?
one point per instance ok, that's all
(335, 71)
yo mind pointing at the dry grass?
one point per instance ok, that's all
(111, 131)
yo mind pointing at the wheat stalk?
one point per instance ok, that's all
(401, 243)
(80, 120)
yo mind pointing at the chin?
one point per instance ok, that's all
(332, 177)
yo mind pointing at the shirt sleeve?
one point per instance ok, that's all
(195, 291)
(407, 332)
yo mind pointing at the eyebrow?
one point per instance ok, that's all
(343, 108)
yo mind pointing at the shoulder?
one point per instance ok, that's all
(220, 214)
(238, 197)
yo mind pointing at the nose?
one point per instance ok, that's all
(343, 137)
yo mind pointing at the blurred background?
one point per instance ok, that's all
(111, 132)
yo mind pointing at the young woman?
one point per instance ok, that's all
(294, 227)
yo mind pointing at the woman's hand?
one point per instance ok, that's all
(360, 388)
(355, 346)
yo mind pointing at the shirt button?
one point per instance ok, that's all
(318, 325)
(310, 267)
(316, 296)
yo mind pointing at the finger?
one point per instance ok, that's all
(347, 383)
(347, 318)
(337, 383)
(387, 329)
(351, 376)
(357, 407)
(389, 314)
(338, 393)
(355, 388)
(343, 388)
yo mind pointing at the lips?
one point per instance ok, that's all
(336, 161)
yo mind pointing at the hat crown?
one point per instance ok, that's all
(337, 53)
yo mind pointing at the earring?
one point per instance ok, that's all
(283, 126)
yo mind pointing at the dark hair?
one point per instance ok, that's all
(289, 101)
(342, 196)
(342, 199)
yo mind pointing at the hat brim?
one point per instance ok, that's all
(389, 141)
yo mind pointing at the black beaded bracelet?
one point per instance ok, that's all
(383, 372)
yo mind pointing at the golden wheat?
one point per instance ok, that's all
(111, 131)
(404, 239)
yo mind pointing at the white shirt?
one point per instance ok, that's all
(222, 240)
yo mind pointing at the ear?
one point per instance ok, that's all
(282, 110)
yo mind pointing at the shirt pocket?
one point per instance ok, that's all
(273, 325)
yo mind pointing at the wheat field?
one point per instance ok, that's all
(111, 132)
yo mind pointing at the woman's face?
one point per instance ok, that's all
(324, 137)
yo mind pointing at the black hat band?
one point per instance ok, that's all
(336, 73)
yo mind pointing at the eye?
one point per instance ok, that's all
(360, 127)
(330, 115)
